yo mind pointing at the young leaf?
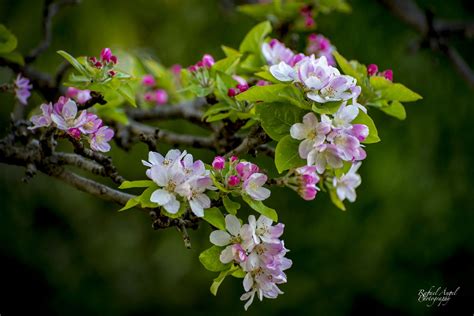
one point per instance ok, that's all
(261, 208)
(253, 40)
(335, 200)
(74, 62)
(127, 92)
(262, 93)
(130, 203)
(8, 41)
(136, 184)
(214, 217)
(399, 92)
(363, 118)
(217, 281)
(277, 118)
(395, 109)
(230, 205)
(209, 258)
(286, 154)
(229, 51)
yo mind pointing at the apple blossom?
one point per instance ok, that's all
(22, 89)
(99, 139)
(276, 52)
(253, 186)
(345, 185)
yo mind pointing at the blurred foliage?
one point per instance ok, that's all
(65, 252)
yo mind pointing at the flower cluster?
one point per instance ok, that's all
(241, 86)
(329, 142)
(304, 181)
(80, 96)
(22, 89)
(105, 63)
(373, 70)
(200, 71)
(256, 247)
(241, 176)
(181, 181)
(320, 46)
(153, 95)
(64, 116)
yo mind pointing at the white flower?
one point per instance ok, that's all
(339, 88)
(168, 179)
(283, 72)
(347, 183)
(316, 73)
(253, 186)
(312, 132)
(156, 159)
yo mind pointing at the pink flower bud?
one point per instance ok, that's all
(199, 64)
(388, 74)
(263, 83)
(148, 80)
(149, 97)
(207, 61)
(176, 69)
(243, 87)
(74, 132)
(372, 69)
(106, 54)
(295, 59)
(93, 60)
(360, 131)
(218, 163)
(312, 37)
(309, 193)
(161, 96)
(309, 22)
(233, 181)
(71, 92)
(112, 73)
(114, 59)
(193, 68)
(233, 158)
(98, 65)
(232, 92)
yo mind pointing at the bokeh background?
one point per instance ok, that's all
(63, 252)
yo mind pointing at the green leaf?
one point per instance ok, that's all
(74, 62)
(146, 196)
(229, 51)
(363, 118)
(127, 92)
(239, 273)
(326, 108)
(218, 184)
(217, 117)
(15, 57)
(399, 92)
(395, 109)
(136, 184)
(214, 217)
(230, 205)
(345, 66)
(253, 40)
(130, 203)
(227, 65)
(261, 208)
(209, 258)
(286, 154)
(8, 41)
(266, 75)
(379, 82)
(277, 118)
(262, 93)
(217, 281)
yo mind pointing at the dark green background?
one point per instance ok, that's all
(63, 252)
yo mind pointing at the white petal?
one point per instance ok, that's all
(299, 131)
(172, 206)
(248, 282)
(220, 238)
(161, 197)
(155, 158)
(226, 255)
(232, 224)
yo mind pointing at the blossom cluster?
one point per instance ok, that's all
(329, 142)
(180, 180)
(320, 46)
(200, 70)
(256, 247)
(241, 176)
(22, 89)
(64, 116)
(105, 62)
(153, 95)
